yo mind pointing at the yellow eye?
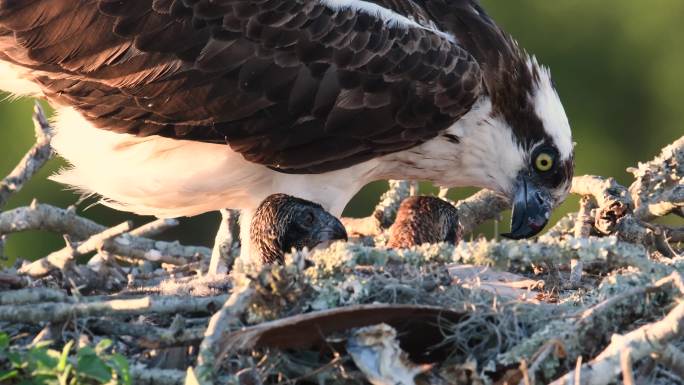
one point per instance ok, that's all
(544, 162)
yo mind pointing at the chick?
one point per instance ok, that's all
(424, 219)
(283, 222)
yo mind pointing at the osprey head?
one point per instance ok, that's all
(542, 171)
(517, 141)
(282, 223)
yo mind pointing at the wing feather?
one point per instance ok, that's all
(302, 86)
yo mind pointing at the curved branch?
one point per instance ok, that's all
(34, 159)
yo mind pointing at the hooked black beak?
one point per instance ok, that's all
(531, 210)
(332, 230)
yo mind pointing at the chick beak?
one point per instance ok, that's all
(531, 210)
(332, 230)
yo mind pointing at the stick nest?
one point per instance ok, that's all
(600, 290)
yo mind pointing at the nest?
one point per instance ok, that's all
(593, 301)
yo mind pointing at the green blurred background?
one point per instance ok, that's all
(618, 65)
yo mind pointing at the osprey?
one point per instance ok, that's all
(282, 223)
(424, 219)
(178, 107)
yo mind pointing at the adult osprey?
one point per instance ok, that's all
(178, 107)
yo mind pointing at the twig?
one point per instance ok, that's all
(522, 255)
(39, 216)
(384, 213)
(614, 214)
(147, 249)
(197, 286)
(576, 271)
(565, 227)
(541, 356)
(585, 317)
(226, 236)
(34, 159)
(668, 201)
(658, 189)
(154, 228)
(525, 373)
(3, 240)
(585, 222)
(626, 366)
(578, 371)
(606, 191)
(443, 193)
(13, 281)
(643, 341)
(211, 352)
(156, 277)
(33, 295)
(479, 208)
(60, 259)
(583, 227)
(60, 221)
(577, 333)
(58, 311)
(149, 336)
(335, 361)
(672, 358)
(142, 375)
(414, 188)
(630, 229)
(613, 199)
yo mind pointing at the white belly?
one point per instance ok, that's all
(171, 178)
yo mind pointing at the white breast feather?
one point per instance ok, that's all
(171, 178)
(154, 175)
(13, 79)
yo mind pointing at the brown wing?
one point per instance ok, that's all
(291, 84)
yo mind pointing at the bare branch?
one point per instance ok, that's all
(384, 213)
(577, 333)
(675, 235)
(522, 254)
(211, 352)
(659, 186)
(226, 237)
(154, 228)
(613, 199)
(642, 342)
(60, 259)
(149, 336)
(479, 208)
(12, 280)
(59, 311)
(50, 218)
(587, 315)
(33, 295)
(142, 375)
(443, 193)
(672, 358)
(39, 216)
(585, 221)
(34, 159)
(541, 356)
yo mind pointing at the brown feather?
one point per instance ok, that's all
(424, 219)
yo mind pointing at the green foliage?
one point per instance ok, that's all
(41, 365)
